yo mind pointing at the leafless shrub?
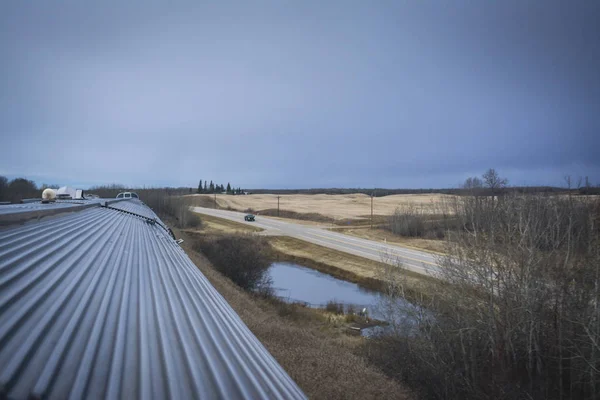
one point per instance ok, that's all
(273, 212)
(350, 318)
(334, 307)
(242, 257)
(412, 221)
(184, 216)
(350, 309)
(407, 220)
(175, 208)
(516, 313)
(288, 310)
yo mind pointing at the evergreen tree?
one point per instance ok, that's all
(228, 188)
(205, 187)
(200, 186)
(211, 187)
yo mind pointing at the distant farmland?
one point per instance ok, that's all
(343, 206)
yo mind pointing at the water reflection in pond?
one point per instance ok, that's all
(296, 283)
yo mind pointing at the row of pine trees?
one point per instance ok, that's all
(215, 188)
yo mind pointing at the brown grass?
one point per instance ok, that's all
(315, 217)
(298, 221)
(338, 207)
(321, 360)
(207, 201)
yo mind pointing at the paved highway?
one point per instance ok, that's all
(414, 260)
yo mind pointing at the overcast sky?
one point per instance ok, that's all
(296, 94)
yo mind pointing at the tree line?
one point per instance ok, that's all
(216, 188)
(17, 189)
(110, 191)
(515, 313)
(460, 191)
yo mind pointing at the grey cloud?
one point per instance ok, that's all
(300, 94)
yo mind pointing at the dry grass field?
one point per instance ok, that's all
(352, 206)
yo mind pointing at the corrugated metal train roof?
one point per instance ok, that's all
(103, 304)
(134, 206)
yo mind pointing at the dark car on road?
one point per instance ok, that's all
(249, 217)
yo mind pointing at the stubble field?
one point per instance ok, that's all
(338, 207)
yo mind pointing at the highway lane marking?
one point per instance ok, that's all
(232, 217)
(358, 241)
(372, 249)
(291, 225)
(369, 256)
(337, 234)
(398, 252)
(396, 248)
(400, 247)
(236, 217)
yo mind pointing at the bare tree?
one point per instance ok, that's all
(472, 182)
(407, 220)
(516, 311)
(492, 180)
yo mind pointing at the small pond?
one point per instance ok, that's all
(296, 283)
